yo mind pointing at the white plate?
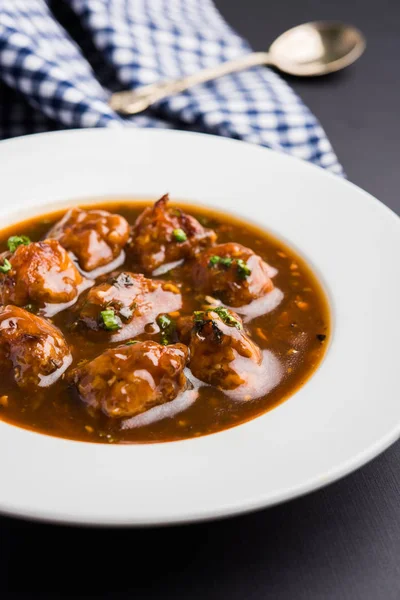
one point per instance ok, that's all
(344, 416)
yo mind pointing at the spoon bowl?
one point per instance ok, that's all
(317, 48)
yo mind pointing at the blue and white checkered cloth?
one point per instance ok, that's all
(61, 59)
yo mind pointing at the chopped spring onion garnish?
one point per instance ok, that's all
(223, 314)
(17, 240)
(226, 317)
(179, 235)
(242, 269)
(167, 329)
(110, 320)
(219, 260)
(6, 266)
(214, 260)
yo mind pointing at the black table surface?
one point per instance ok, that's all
(342, 542)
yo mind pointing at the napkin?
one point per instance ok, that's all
(60, 61)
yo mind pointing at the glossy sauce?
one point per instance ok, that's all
(292, 335)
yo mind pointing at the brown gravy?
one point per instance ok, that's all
(293, 337)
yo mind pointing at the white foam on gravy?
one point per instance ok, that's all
(51, 309)
(111, 266)
(167, 267)
(259, 380)
(271, 271)
(47, 380)
(164, 411)
(260, 306)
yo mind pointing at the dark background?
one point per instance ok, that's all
(359, 106)
(339, 543)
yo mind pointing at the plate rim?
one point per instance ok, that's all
(340, 471)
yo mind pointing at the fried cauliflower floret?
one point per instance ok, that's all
(219, 348)
(165, 235)
(95, 237)
(124, 303)
(232, 273)
(39, 273)
(31, 348)
(128, 380)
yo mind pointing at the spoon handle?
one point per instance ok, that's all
(135, 101)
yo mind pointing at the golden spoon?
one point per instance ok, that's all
(307, 50)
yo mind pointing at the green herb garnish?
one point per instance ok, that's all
(110, 321)
(131, 342)
(222, 261)
(167, 329)
(243, 270)
(223, 314)
(17, 240)
(6, 266)
(226, 317)
(225, 262)
(214, 260)
(179, 235)
(198, 315)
